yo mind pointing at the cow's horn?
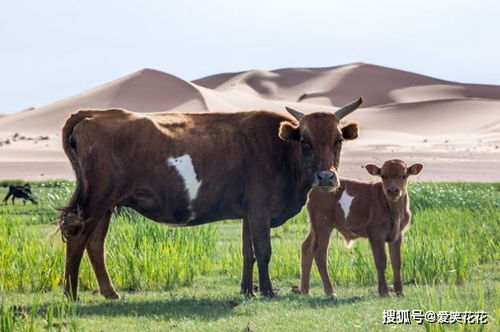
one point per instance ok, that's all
(348, 109)
(296, 114)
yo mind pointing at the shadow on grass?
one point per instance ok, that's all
(175, 308)
(319, 302)
(205, 309)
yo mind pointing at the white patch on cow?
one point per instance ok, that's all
(349, 243)
(185, 168)
(345, 203)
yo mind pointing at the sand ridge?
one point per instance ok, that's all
(404, 114)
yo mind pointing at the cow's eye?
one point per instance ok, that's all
(305, 144)
(339, 142)
(384, 177)
(404, 177)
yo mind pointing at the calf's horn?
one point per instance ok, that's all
(348, 109)
(296, 114)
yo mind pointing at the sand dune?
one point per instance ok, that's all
(143, 91)
(335, 86)
(404, 114)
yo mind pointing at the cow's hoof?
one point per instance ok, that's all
(111, 295)
(331, 296)
(247, 292)
(400, 294)
(268, 293)
(296, 289)
(71, 296)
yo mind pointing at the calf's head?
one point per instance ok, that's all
(394, 174)
(319, 137)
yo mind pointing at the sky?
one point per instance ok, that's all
(55, 48)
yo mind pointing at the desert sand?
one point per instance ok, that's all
(453, 128)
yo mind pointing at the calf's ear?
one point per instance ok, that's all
(289, 132)
(373, 169)
(350, 131)
(415, 169)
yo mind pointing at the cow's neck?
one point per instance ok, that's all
(302, 179)
(397, 208)
(396, 212)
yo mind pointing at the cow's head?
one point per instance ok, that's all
(394, 174)
(320, 136)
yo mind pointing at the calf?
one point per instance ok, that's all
(20, 191)
(379, 211)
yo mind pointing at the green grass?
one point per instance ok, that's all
(188, 278)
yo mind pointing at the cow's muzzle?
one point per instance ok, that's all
(326, 180)
(394, 194)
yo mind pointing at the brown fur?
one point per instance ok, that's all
(252, 165)
(379, 211)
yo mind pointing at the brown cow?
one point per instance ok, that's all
(190, 169)
(379, 211)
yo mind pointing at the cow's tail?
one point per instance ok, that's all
(71, 219)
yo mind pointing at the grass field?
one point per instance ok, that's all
(188, 278)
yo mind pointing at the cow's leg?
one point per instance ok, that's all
(378, 248)
(260, 225)
(6, 199)
(395, 253)
(95, 250)
(322, 237)
(306, 259)
(13, 203)
(92, 214)
(74, 252)
(248, 260)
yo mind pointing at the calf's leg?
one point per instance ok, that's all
(378, 248)
(248, 260)
(322, 238)
(95, 250)
(395, 254)
(306, 259)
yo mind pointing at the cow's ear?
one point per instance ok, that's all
(350, 131)
(289, 132)
(415, 169)
(373, 169)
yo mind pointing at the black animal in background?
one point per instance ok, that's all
(20, 191)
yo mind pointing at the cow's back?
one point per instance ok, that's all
(185, 168)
